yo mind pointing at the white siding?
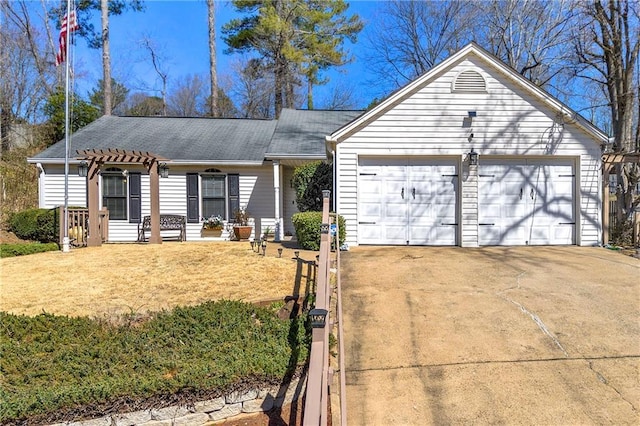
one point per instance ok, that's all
(256, 194)
(509, 122)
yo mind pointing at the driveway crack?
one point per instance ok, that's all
(604, 381)
(541, 325)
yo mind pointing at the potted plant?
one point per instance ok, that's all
(241, 227)
(212, 226)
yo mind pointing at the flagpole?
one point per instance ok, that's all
(65, 239)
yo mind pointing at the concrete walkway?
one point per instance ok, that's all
(527, 335)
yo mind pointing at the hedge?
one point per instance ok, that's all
(35, 225)
(307, 226)
(11, 250)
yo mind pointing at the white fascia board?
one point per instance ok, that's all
(214, 163)
(295, 157)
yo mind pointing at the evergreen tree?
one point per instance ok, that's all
(292, 37)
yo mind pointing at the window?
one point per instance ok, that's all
(114, 193)
(214, 194)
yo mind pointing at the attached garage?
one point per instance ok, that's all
(526, 202)
(469, 154)
(407, 201)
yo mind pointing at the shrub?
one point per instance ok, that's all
(307, 225)
(35, 225)
(56, 368)
(11, 250)
(309, 180)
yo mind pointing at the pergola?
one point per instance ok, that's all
(610, 161)
(95, 159)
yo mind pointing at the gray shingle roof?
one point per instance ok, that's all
(297, 134)
(301, 133)
(177, 139)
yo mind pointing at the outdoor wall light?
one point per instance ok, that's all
(83, 169)
(296, 254)
(279, 251)
(318, 318)
(473, 158)
(163, 170)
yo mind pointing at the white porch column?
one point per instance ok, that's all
(279, 231)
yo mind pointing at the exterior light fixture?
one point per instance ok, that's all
(296, 254)
(279, 251)
(163, 170)
(83, 169)
(318, 318)
(473, 158)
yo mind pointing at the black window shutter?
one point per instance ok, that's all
(234, 195)
(135, 198)
(193, 214)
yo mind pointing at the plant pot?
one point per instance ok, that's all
(211, 233)
(242, 232)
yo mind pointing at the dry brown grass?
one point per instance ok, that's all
(120, 279)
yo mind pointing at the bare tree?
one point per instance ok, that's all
(252, 86)
(339, 98)
(156, 61)
(213, 97)
(410, 37)
(607, 47)
(188, 98)
(531, 36)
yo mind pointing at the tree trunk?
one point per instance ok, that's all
(309, 94)
(213, 100)
(106, 57)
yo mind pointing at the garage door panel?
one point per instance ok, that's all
(417, 195)
(529, 201)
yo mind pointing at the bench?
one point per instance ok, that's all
(168, 222)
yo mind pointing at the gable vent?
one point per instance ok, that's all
(469, 81)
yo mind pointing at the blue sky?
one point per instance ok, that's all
(179, 29)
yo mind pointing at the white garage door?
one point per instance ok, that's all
(526, 202)
(407, 201)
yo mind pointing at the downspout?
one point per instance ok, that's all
(41, 185)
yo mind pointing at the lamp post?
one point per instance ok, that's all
(318, 317)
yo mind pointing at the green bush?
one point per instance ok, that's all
(309, 180)
(35, 225)
(54, 367)
(307, 226)
(11, 250)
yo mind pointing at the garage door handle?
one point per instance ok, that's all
(532, 193)
(413, 192)
(402, 193)
(521, 193)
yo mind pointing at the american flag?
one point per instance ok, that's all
(73, 26)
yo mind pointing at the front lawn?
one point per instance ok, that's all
(130, 326)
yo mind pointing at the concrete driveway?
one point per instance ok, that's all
(527, 335)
